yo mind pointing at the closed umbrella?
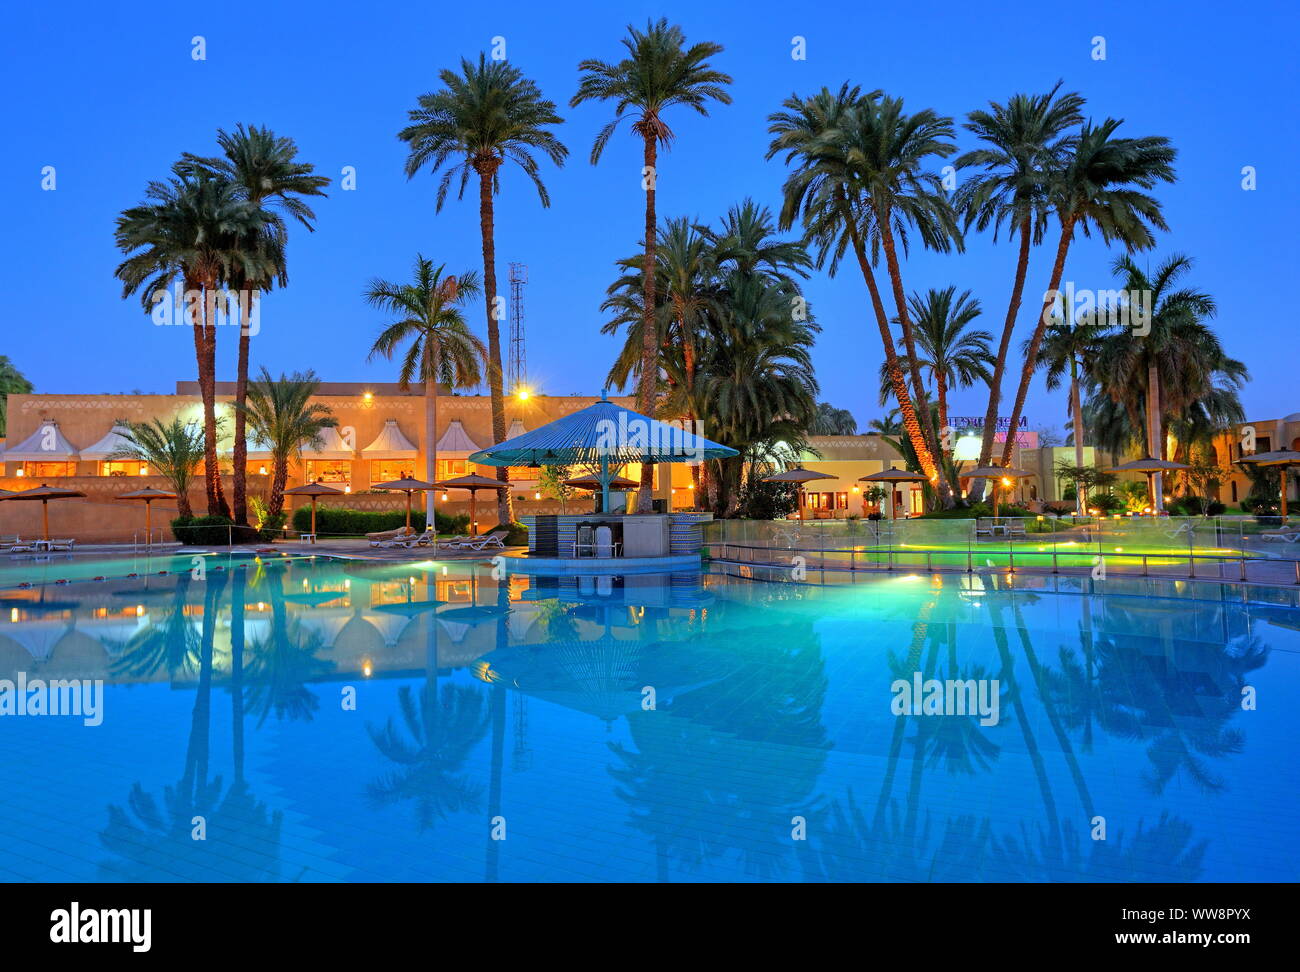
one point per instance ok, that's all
(798, 475)
(1000, 476)
(592, 482)
(408, 486)
(473, 482)
(147, 496)
(893, 476)
(320, 489)
(44, 494)
(1150, 467)
(1279, 459)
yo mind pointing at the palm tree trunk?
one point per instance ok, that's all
(936, 470)
(688, 361)
(279, 475)
(1080, 500)
(1155, 440)
(645, 396)
(207, 394)
(941, 393)
(999, 366)
(1035, 342)
(240, 454)
(430, 431)
(486, 175)
(910, 422)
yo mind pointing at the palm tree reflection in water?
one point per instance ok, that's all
(240, 839)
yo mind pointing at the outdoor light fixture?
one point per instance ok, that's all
(262, 470)
(367, 396)
(537, 496)
(523, 394)
(21, 472)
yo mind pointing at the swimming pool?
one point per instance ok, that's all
(319, 720)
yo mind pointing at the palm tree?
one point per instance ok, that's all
(481, 118)
(659, 72)
(887, 149)
(281, 413)
(952, 355)
(1176, 368)
(830, 420)
(196, 227)
(12, 382)
(172, 449)
(1098, 188)
(825, 194)
(757, 382)
(442, 348)
(264, 169)
(1071, 349)
(1026, 143)
(746, 241)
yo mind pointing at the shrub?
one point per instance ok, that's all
(767, 501)
(1187, 505)
(1106, 502)
(211, 531)
(517, 537)
(341, 521)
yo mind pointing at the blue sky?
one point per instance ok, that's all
(111, 99)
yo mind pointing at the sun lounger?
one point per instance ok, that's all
(61, 544)
(384, 538)
(1283, 535)
(452, 543)
(1016, 530)
(17, 546)
(491, 541)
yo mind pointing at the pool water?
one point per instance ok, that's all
(321, 720)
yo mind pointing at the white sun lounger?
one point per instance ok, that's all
(491, 541)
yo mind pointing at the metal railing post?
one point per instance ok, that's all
(1144, 565)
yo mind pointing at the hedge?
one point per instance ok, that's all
(211, 531)
(341, 521)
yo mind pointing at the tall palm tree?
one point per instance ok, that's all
(1026, 142)
(485, 116)
(951, 354)
(172, 449)
(429, 313)
(825, 194)
(1071, 349)
(281, 413)
(264, 168)
(1172, 367)
(195, 227)
(1098, 188)
(659, 72)
(12, 382)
